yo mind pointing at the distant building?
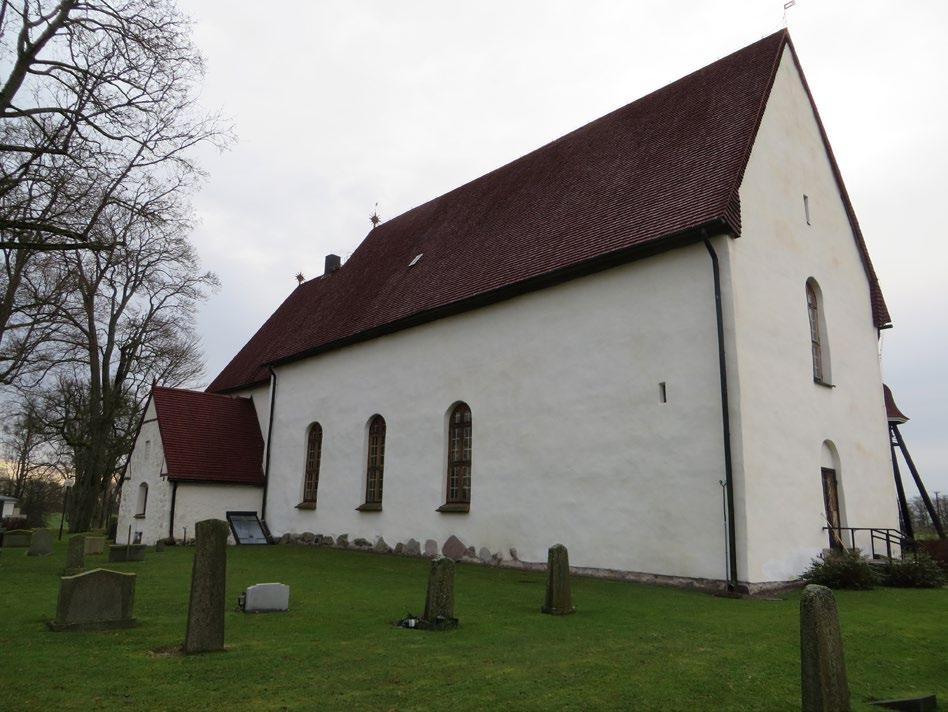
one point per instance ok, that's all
(654, 340)
(9, 506)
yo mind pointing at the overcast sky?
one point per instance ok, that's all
(339, 105)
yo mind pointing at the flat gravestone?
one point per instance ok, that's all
(266, 598)
(439, 602)
(95, 600)
(17, 538)
(95, 544)
(823, 670)
(126, 552)
(559, 597)
(205, 631)
(75, 555)
(41, 543)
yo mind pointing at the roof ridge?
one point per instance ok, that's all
(192, 391)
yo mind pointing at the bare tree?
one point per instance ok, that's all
(25, 447)
(97, 110)
(128, 323)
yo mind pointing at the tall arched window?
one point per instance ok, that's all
(314, 447)
(142, 500)
(376, 463)
(818, 345)
(459, 455)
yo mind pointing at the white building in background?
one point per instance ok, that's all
(653, 340)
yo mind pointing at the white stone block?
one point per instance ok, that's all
(264, 597)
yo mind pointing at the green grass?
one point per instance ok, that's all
(629, 646)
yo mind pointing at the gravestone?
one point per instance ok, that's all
(439, 603)
(266, 597)
(205, 631)
(17, 538)
(41, 543)
(75, 555)
(126, 552)
(431, 548)
(823, 670)
(95, 544)
(559, 598)
(95, 600)
(454, 548)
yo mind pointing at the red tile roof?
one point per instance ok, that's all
(891, 409)
(208, 437)
(647, 177)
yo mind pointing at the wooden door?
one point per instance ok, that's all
(831, 500)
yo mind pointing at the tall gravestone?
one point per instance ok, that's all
(823, 670)
(41, 544)
(439, 603)
(205, 632)
(559, 597)
(76, 555)
(95, 600)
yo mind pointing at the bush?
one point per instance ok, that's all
(914, 572)
(841, 569)
(10, 523)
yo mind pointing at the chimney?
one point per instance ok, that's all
(332, 263)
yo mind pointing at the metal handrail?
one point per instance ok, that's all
(884, 535)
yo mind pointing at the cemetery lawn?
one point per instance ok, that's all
(629, 646)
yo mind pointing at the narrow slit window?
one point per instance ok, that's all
(314, 447)
(806, 207)
(376, 460)
(459, 455)
(662, 393)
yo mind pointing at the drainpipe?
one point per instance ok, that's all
(266, 463)
(174, 496)
(726, 424)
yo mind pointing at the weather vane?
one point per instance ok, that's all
(300, 278)
(787, 6)
(375, 219)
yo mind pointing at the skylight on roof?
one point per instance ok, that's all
(416, 259)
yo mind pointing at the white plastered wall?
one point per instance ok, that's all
(783, 417)
(145, 466)
(571, 441)
(197, 501)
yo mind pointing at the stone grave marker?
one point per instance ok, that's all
(823, 670)
(95, 600)
(17, 538)
(205, 631)
(431, 548)
(439, 603)
(75, 555)
(559, 598)
(41, 543)
(454, 548)
(266, 597)
(95, 544)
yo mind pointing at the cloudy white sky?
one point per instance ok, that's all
(339, 105)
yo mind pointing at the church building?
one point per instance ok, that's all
(653, 340)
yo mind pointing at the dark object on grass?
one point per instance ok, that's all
(559, 597)
(822, 668)
(920, 571)
(205, 631)
(95, 600)
(841, 569)
(927, 703)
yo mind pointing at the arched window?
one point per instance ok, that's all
(142, 500)
(314, 447)
(376, 463)
(459, 455)
(818, 345)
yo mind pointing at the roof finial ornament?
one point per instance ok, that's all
(375, 219)
(786, 6)
(300, 278)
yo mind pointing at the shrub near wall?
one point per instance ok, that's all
(841, 569)
(920, 572)
(10, 523)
